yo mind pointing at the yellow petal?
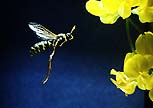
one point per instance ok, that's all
(95, 7)
(134, 2)
(149, 58)
(111, 5)
(128, 56)
(135, 65)
(150, 2)
(144, 81)
(149, 84)
(144, 43)
(146, 15)
(151, 94)
(124, 83)
(144, 11)
(127, 88)
(109, 18)
(124, 10)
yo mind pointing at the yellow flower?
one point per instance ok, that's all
(110, 10)
(138, 67)
(138, 71)
(126, 84)
(144, 10)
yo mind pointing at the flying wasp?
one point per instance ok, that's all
(48, 39)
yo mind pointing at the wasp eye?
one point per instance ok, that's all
(60, 38)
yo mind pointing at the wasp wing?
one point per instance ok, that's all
(42, 32)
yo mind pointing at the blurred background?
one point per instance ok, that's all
(80, 75)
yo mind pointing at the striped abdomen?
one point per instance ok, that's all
(39, 47)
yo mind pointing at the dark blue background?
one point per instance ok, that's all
(80, 73)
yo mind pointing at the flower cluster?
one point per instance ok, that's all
(138, 67)
(110, 10)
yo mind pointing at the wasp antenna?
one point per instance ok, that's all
(73, 28)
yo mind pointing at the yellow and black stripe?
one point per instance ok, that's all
(39, 47)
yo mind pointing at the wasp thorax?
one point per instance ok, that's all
(69, 36)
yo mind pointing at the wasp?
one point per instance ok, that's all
(48, 39)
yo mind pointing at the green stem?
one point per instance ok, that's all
(129, 36)
(135, 26)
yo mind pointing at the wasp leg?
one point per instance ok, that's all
(62, 43)
(54, 42)
(49, 66)
(65, 40)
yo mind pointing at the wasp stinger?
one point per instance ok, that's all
(48, 39)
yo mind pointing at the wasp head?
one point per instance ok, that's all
(69, 36)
